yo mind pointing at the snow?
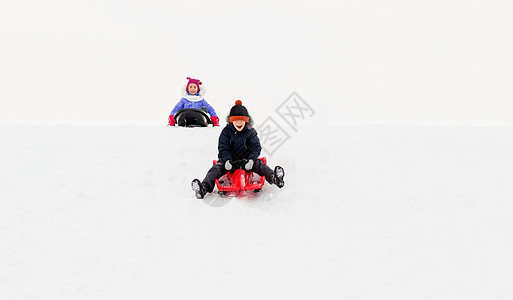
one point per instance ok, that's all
(367, 212)
(114, 62)
(95, 198)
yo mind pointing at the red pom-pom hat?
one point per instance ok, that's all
(239, 112)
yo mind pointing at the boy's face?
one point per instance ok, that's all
(192, 88)
(239, 124)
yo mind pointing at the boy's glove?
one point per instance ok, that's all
(171, 120)
(228, 165)
(215, 120)
(249, 165)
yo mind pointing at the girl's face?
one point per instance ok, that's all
(239, 124)
(192, 89)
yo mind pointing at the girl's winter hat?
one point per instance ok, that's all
(239, 112)
(197, 82)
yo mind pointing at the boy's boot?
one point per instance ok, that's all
(198, 188)
(278, 175)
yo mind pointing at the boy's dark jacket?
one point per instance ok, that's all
(237, 145)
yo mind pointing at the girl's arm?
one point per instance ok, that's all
(177, 107)
(210, 109)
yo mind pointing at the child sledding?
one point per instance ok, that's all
(193, 110)
(238, 152)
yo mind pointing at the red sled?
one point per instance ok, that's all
(240, 180)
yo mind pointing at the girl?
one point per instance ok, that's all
(238, 141)
(192, 97)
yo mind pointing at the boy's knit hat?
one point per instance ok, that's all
(239, 112)
(197, 82)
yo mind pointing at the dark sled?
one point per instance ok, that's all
(192, 117)
(239, 180)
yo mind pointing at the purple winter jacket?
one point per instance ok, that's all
(193, 101)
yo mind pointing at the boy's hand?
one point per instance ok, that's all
(249, 165)
(171, 120)
(215, 120)
(228, 165)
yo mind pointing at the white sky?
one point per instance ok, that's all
(355, 62)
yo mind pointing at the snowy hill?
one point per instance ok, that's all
(376, 212)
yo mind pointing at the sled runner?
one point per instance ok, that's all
(238, 179)
(192, 117)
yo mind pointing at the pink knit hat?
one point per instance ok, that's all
(197, 82)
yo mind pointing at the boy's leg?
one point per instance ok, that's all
(272, 177)
(263, 170)
(214, 173)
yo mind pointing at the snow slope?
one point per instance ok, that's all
(377, 212)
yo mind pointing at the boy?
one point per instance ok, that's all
(238, 141)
